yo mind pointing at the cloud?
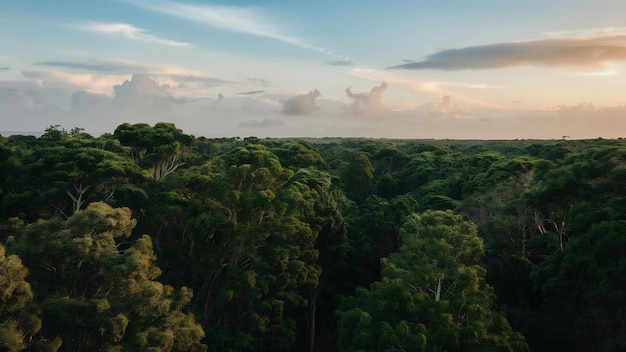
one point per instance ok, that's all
(341, 62)
(264, 123)
(590, 113)
(146, 99)
(47, 97)
(71, 82)
(206, 81)
(302, 104)
(429, 88)
(143, 95)
(26, 109)
(86, 103)
(4, 68)
(102, 66)
(252, 92)
(131, 32)
(123, 66)
(100, 76)
(445, 108)
(589, 52)
(368, 104)
(248, 20)
(262, 82)
(586, 32)
(16, 98)
(29, 106)
(579, 121)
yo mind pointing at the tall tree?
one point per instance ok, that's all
(160, 148)
(99, 293)
(18, 322)
(236, 227)
(432, 297)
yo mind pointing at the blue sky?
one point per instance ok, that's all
(485, 69)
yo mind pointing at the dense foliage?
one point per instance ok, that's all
(152, 239)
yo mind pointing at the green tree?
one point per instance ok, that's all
(99, 293)
(357, 175)
(236, 229)
(18, 324)
(159, 149)
(432, 296)
(78, 170)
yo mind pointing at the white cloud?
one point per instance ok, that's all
(430, 88)
(131, 32)
(302, 104)
(445, 108)
(73, 81)
(586, 32)
(143, 95)
(248, 20)
(368, 104)
(50, 97)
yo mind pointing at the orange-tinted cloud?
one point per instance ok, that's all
(368, 104)
(592, 52)
(131, 32)
(445, 108)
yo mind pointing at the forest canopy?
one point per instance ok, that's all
(152, 239)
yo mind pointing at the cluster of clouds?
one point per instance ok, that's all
(38, 102)
(100, 94)
(100, 102)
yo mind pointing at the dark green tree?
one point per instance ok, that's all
(432, 296)
(357, 175)
(236, 229)
(160, 149)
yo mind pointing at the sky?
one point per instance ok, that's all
(441, 69)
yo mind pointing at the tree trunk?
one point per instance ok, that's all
(438, 291)
(77, 200)
(313, 294)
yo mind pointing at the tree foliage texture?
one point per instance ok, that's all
(95, 296)
(309, 244)
(432, 296)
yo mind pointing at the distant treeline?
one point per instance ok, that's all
(150, 239)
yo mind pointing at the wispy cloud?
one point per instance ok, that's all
(262, 82)
(341, 62)
(425, 87)
(586, 32)
(101, 66)
(248, 20)
(251, 92)
(122, 66)
(131, 32)
(588, 52)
